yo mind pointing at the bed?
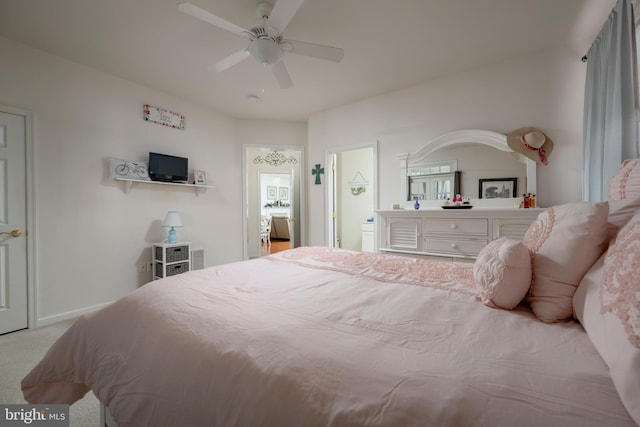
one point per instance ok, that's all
(539, 332)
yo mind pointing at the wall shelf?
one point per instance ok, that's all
(128, 183)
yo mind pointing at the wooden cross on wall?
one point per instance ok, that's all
(317, 171)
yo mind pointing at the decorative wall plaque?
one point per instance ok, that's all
(275, 158)
(163, 117)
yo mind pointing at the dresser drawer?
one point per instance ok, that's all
(477, 226)
(455, 247)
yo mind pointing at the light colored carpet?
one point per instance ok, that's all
(20, 351)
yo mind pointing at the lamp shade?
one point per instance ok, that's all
(172, 219)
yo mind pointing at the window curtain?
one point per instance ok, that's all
(610, 129)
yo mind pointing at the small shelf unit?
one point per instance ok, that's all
(128, 184)
(170, 259)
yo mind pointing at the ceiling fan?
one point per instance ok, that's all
(266, 45)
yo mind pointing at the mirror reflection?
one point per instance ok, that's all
(439, 186)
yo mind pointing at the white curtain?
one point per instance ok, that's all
(610, 129)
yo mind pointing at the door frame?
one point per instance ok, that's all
(30, 232)
(300, 186)
(330, 195)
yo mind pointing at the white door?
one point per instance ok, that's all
(335, 208)
(13, 220)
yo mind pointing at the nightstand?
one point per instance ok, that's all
(169, 259)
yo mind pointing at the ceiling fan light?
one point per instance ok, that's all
(265, 52)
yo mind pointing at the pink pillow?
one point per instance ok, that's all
(626, 182)
(606, 303)
(564, 241)
(621, 211)
(502, 273)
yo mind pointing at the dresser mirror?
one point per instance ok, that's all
(471, 155)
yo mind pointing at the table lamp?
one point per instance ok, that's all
(172, 220)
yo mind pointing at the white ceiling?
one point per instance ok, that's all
(389, 44)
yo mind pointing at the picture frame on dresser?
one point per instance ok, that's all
(497, 188)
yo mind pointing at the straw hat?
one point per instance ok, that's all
(531, 142)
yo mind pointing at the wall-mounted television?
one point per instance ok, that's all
(163, 167)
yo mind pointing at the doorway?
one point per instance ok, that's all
(352, 188)
(16, 228)
(272, 187)
(276, 210)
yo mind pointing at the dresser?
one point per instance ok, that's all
(456, 234)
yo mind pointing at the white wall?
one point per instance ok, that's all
(277, 181)
(90, 235)
(543, 90)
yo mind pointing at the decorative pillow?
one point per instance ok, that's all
(128, 170)
(502, 273)
(564, 241)
(620, 211)
(626, 182)
(606, 303)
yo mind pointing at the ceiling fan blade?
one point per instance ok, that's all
(282, 75)
(283, 11)
(315, 50)
(230, 60)
(197, 12)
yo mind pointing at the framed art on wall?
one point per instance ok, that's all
(126, 169)
(162, 117)
(283, 193)
(271, 192)
(497, 188)
(199, 177)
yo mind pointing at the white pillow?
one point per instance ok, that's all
(564, 241)
(607, 303)
(502, 273)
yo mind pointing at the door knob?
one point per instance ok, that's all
(12, 233)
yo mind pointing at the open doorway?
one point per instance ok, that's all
(352, 188)
(276, 212)
(272, 189)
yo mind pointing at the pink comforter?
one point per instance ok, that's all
(321, 337)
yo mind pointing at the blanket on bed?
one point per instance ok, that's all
(327, 337)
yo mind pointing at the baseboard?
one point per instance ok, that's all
(49, 320)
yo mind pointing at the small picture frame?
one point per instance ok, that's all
(199, 178)
(498, 188)
(283, 193)
(271, 192)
